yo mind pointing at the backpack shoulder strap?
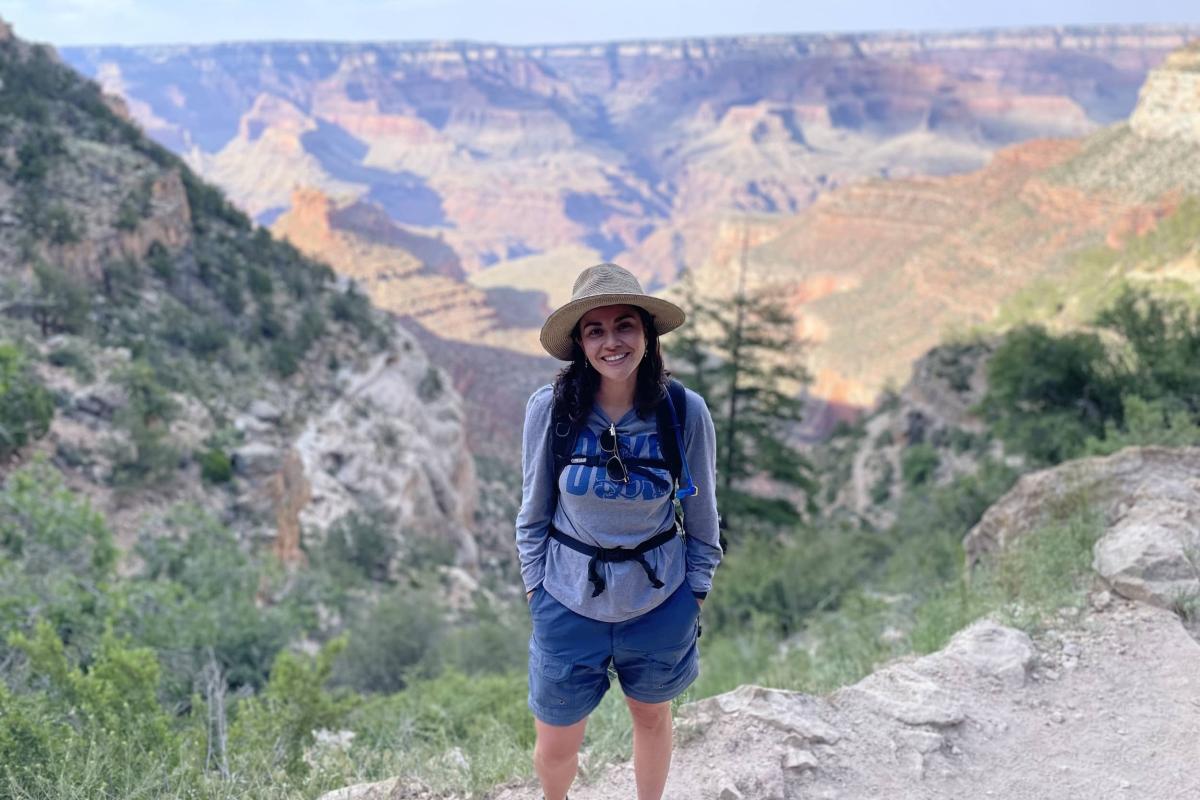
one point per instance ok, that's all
(668, 441)
(563, 434)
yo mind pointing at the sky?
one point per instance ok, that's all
(75, 22)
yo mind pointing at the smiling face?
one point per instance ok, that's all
(613, 341)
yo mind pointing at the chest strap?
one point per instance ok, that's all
(614, 555)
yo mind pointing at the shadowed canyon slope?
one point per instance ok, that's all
(634, 150)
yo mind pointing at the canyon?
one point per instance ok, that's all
(895, 188)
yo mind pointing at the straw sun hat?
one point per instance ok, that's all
(603, 285)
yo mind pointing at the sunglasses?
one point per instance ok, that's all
(615, 467)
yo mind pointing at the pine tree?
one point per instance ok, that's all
(743, 357)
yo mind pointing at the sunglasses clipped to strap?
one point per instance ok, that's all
(618, 472)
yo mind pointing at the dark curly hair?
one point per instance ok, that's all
(576, 384)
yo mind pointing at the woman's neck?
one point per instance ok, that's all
(616, 397)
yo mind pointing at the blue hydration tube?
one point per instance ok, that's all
(688, 488)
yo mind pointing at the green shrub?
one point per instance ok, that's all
(159, 261)
(352, 308)
(26, 407)
(430, 388)
(146, 455)
(392, 641)
(135, 206)
(62, 301)
(42, 147)
(1046, 394)
(57, 558)
(294, 705)
(785, 579)
(361, 545)
(881, 489)
(216, 466)
(72, 357)
(59, 226)
(918, 464)
(198, 593)
(209, 206)
(1046, 570)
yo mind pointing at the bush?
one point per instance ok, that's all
(1046, 395)
(70, 713)
(918, 464)
(146, 456)
(42, 147)
(294, 706)
(216, 466)
(430, 387)
(73, 358)
(159, 261)
(198, 593)
(352, 308)
(59, 226)
(361, 545)
(56, 557)
(392, 642)
(26, 407)
(784, 580)
(62, 301)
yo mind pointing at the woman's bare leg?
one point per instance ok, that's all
(651, 746)
(556, 756)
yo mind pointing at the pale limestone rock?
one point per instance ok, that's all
(382, 445)
(908, 696)
(799, 759)
(1169, 102)
(791, 712)
(256, 460)
(1110, 485)
(993, 650)
(265, 411)
(1153, 554)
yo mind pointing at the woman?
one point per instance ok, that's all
(593, 607)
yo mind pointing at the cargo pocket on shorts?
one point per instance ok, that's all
(670, 665)
(556, 686)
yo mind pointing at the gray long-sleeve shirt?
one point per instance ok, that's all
(597, 511)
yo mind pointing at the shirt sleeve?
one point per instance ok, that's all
(538, 497)
(700, 510)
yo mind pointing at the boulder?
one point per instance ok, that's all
(256, 459)
(1141, 478)
(1153, 554)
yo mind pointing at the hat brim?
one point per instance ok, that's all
(556, 332)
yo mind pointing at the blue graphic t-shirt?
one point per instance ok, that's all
(596, 510)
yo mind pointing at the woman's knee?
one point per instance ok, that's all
(649, 716)
(556, 743)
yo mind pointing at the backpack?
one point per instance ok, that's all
(670, 417)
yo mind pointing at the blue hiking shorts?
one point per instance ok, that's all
(655, 655)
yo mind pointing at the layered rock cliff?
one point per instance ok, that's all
(1169, 104)
(634, 149)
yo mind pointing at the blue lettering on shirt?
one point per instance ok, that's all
(646, 483)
